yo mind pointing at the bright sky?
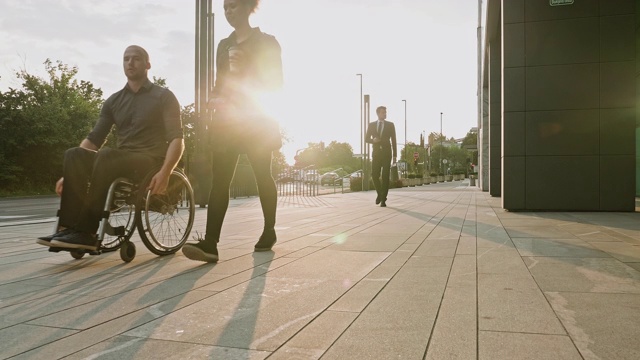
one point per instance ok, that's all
(423, 51)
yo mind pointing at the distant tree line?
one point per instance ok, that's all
(336, 155)
(324, 158)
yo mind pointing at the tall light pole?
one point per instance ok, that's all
(405, 131)
(361, 119)
(441, 166)
(363, 159)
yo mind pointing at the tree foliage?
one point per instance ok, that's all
(470, 143)
(458, 157)
(457, 160)
(329, 157)
(39, 121)
(470, 140)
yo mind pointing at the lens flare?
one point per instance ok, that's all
(340, 239)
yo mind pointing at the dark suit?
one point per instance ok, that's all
(381, 155)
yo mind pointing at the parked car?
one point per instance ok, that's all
(311, 177)
(330, 178)
(356, 175)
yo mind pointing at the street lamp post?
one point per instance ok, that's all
(424, 160)
(441, 166)
(405, 133)
(362, 125)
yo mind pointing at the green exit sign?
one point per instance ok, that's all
(560, 2)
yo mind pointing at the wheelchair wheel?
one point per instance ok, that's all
(121, 222)
(77, 254)
(164, 221)
(127, 251)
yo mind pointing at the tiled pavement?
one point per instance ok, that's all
(441, 273)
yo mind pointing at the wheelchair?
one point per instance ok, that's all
(163, 221)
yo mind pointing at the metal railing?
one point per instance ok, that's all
(301, 182)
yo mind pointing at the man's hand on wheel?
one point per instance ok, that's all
(159, 183)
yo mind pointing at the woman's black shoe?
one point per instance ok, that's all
(267, 240)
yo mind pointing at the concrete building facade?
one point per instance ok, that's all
(558, 118)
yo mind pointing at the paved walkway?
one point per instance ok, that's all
(442, 273)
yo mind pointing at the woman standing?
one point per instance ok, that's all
(249, 73)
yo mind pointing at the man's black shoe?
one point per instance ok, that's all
(378, 200)
(201, 251)
(76, 240)
(46, 240)
(267, 240)
(383, 204)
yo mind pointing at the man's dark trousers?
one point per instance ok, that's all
(381, 165)
(87, 177)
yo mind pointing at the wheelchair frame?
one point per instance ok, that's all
(159, 219)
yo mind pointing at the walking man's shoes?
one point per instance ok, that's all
(267, 240)
(76, 240)
(201, 251)
(46, 240)
(378, 200)
(383, 204)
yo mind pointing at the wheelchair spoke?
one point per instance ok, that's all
(120, 223)
(167, 218)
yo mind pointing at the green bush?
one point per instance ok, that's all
(356, 184)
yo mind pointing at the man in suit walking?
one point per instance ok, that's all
(382, 135)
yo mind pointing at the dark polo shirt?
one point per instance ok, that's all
(145, 121)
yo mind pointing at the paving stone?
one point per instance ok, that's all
(513, 303)
(505, 345)
(584, 275)
(116, 326)
(15, 341)
(126, 347)
(392, 326)
(527, 221)
(620, 250)
(260, 314)
(539, 232)
(602, 326)
(466, 246)
(455, 332)
(313, 340)
(366, 242)
(501, 261)
(557, 247)
(437, 247)
(359, 296)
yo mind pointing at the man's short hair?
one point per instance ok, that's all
(380, 108)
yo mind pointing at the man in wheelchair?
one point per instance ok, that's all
(149, 134)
